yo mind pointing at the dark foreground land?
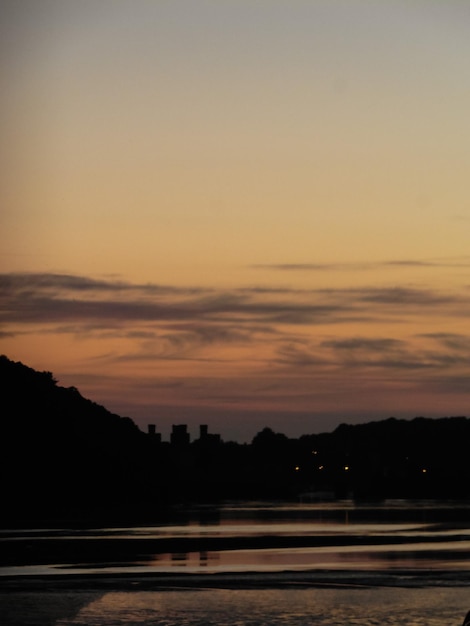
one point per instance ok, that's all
(63, 457)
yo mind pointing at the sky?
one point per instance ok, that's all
(239, 213)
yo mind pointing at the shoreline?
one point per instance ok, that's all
(148, 581)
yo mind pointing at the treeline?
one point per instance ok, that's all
(63, 456)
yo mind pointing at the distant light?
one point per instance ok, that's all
(424, 470)
(346, 468)
(320, 467)
(314, 451)
(297, 468)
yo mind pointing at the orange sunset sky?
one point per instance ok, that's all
(243, 213)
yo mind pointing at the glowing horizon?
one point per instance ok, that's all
(229, 212)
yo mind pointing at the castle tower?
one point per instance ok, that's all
(179, 435)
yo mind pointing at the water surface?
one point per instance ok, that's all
(259, 564)
(258, 537)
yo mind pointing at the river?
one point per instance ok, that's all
(256, 563)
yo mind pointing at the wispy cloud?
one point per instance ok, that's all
(402, 296)
(69, 302)
(453, 341)
(463, 262)
(364, 344)
(399, 354)
(245, 346)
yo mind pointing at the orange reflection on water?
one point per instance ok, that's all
(411, 556)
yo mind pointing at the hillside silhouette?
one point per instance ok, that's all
(66, 457)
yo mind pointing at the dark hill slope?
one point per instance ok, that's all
(422, 457)
(61, 452)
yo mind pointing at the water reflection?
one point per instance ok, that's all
(194, 561)
(262, 537)
(346, 536)
(413, 557)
